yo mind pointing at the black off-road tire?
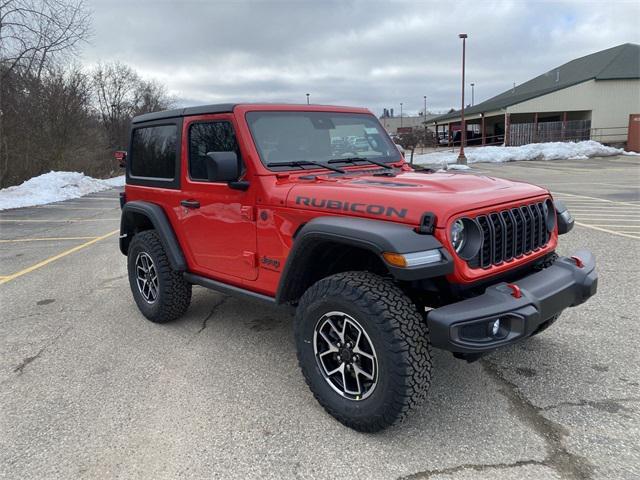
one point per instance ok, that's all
(174, 293)
(398, 333)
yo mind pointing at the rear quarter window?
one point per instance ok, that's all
(153, 152)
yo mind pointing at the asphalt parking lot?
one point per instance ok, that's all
(90, 389)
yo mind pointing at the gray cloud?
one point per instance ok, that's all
(376, 54)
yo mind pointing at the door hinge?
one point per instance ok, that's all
(247, 212)
(251, 258)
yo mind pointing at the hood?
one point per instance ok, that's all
(407, 196)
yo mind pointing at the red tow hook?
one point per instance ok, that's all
(579, 262)
(515, 290)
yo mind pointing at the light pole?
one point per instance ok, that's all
(472, 94)
(424, 118)
(307, 99)
(400, 114)
(462, 160)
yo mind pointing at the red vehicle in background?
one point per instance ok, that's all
(380, 262)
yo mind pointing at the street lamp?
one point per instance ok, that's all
(307, 99)
(400, 114)
(472, 94)
(424, 118)
(462, 160)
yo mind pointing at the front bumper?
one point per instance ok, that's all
(469, 326)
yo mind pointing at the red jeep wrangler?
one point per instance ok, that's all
(277, 203)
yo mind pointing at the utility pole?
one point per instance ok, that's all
(400, 114)
(462, 159)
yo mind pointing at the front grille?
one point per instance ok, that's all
(509, 234)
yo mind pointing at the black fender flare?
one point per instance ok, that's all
(130, 224)
(373, 235)
(565, 219)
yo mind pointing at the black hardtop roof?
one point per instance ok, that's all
(225, 108)
(183, 112)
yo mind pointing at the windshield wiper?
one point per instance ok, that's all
(301, 163)
(363, 159)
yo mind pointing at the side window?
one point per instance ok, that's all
(153, 152)
(205, 137)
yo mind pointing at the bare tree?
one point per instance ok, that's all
(153, 97)
(34, 32)
(33, 35)
(116, 88)
(120, 94)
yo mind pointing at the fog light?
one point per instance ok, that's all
(495, 327)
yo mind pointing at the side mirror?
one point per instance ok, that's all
(222, 167)
(121, 158)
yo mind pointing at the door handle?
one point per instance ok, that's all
(190, 203)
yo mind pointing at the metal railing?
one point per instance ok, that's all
(570, 131)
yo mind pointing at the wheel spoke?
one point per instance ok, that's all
(332, 347)
(153, 291)
(324, 354)
(364, 354)
(335, 370)
(334, 328)
(344, 330)
(344, 384)
(357, 377)
(359, 371)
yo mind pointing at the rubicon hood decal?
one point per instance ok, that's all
(356, 207)
(408, 196)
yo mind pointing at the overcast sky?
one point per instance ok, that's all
(367, 53)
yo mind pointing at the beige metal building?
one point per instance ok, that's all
(589, 97)
(391, 124)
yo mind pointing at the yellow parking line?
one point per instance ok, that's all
(620, 234)
(8, 278)
(71, 220)
(45, 239)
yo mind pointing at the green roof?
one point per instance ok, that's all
(617, 63)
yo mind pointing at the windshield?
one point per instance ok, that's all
(286, 137)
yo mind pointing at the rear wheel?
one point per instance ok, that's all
(161, 293)
(363, 349)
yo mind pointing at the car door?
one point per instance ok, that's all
(217, 222)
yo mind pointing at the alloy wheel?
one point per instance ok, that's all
(345, 354)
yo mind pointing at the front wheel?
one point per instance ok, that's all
(364, 349)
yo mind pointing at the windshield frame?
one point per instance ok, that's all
(389, 160)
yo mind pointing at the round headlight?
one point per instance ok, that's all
(458, 235)
(466, 238)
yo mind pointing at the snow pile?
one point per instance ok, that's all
(54, 187)
(532, 151)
